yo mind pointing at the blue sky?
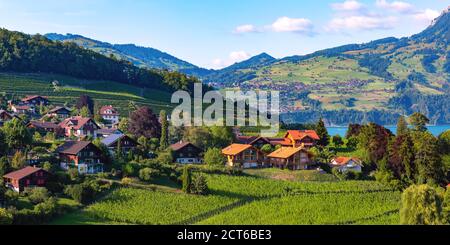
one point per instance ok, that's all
(217, 33)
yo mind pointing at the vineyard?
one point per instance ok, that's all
(68, 89)
(248, 200)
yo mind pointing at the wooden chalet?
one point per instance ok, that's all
(46, 127)
(26, 177)
(187, 153)
(126, 143)
(307, 138)
(35, 100)
(59, 112)
(82, 155)
(243, 155)
(344, 164)
(292, 158)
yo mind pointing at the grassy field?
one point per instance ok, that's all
(257, 199)
(69, 89)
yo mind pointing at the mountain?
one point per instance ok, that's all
(398, 75)
(139, 56)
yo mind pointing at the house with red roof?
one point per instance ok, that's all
(290, 158)
(26, 177)
(109, 114)
(59, 112)
(35, 100)
(82, 155)
(187, 153)
(23, 109)
(243, 156)
(80, 127)
(344, 164)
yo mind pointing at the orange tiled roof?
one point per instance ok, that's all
(285, 152)
(300, 134)
(235, 149)
(345, 160)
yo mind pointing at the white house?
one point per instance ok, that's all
(109, 114)
(345, 164)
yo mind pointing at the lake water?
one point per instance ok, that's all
(435, 130)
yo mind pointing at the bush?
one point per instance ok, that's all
(37, 195)
(147, 174)
(421, 205)
(126, 181)
(6, 218)
(75, 192)
(73, 174)
(387, 178)
(128, 170)
(214, 157)
(199, 186)
(165, 158)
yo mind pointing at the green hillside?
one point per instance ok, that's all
(69, 89)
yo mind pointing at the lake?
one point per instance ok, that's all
(435, 130)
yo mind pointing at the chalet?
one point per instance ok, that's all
(34, 100)
(26, 177)
(290, 158)
(243, 155)
(23, 109)
(5, 117)
(59, 112)
(344, 164)
(186, 153)
(105, 132)
(126, 143)
(255, 141)
(46, 127)
(79, 127)
(82, 155)
(307, 138)
(109, 114)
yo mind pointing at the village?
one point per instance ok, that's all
(77, 150)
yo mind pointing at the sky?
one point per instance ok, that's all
(218, 33)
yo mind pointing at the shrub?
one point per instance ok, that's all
(147, 174)
(199, 186)
(386, 177)
(421, 205)
(214, 157)
(6, 218)
(75, 192)
(126, 181)
(128, 170)
(73, 174)
(165, 158)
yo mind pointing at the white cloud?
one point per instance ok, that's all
(233, 57)
(361, 22)
(397, 6)
(245, 29)
(426, 15)
(349, 5)
(286, 24)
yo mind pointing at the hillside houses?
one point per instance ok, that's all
(26, 177)
(81, 155)
(120, 141)
(110, 115)
(186, 153)
(80, 127)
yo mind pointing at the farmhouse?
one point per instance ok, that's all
(82, 155)
(59, 112)
(109, 114)
(126, 143)
(79, 127)
(46, 127)
(290, 158)
(344, 164)
(308, 138)
(186, 153)
(26, 177)
(243, 155)
(35, 100)
(23, 109)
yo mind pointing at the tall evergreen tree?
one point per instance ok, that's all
(419, 121)
(427, 159)
(187, 180)
(164, 140)
(402, 126)
(323, 133)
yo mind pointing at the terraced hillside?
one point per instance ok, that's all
(63, 89)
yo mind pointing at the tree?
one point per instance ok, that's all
(214, 157)
(17, 135)
(402, 126)
(37, 137)
(322, 132)
(38, 195)
(123, 125)
(373, 142)
(85, 101)
(164, 141)
(419, 121)
(427, 159)
(267, 148)
(187, 180)
(6, 218)
(337, 140)
(144, 123)
(4, 165)
(147, 174)
(444, 142)
(421, 205)
(407, 155)
(105, 153)
(221, 136)
(19, 160)
(3, 144)
(198, 136)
